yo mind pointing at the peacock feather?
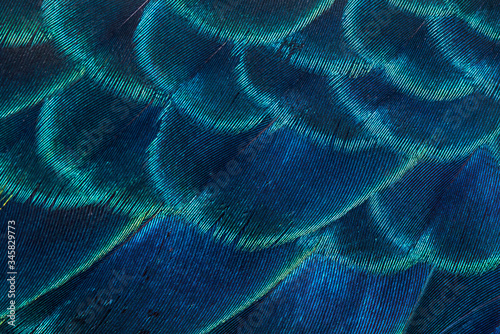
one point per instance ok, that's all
(250, 166)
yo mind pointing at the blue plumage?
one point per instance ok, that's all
(257, 166)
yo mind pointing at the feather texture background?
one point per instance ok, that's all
(259, 166)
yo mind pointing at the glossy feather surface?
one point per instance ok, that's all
(257, 166)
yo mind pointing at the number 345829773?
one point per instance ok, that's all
(11, 236)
